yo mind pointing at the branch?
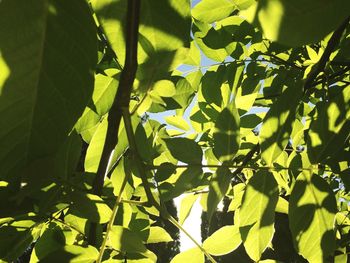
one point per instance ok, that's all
(332, 43)
(233, 166)
(121, 100)
(246, 159)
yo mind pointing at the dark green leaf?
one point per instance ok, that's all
(185, 150)
(91, 207)
(45, 77)
(299, 22)
(331, 128)
(72, 253)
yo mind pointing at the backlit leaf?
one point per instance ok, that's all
(278, 123)
(257, 213)
(223, 241)
(186, 205)
(210, 11)
(226, 134)
(299, 22)
(194, 255)
(312, 210)
(330, 129)
(91, 207)
(40, 100)
(218, 187)
(157, 235)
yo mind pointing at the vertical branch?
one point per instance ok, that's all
(121, 100)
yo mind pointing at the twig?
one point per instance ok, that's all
(332, 43)
(185, 166)
(245, 161)
(111, 220)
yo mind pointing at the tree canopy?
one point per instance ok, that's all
(256, 99)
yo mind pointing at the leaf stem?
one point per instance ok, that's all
(175, 223)
(111, 221)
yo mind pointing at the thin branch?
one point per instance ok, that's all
(111, 220)
(136, 157)
(282, 61)
(332, 76)
(331, 45)
(246, 160)
(122, 99)
(68, 225)
(233, 166)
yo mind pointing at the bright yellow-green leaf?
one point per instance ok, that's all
(178, 122)
(257, 213)
(210, 11)
(312, 210)
(186, 206)
(157, 235)
(282, 205)
(193, 255)
(223, 241)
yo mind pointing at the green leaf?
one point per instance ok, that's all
(312, 210)
(257, 213)
(74, 254)
(299, 22)
(185, 150)
(278, 123)
(91, 207)
(223, 241)
(193, 255)
(186, 180)
(226, 134)
(282, 205)
(330, 129)
(209, 11)
(144, 145)
(178, 122)
(157, 235)
(16, 238)
(123, 239)
(157, 31)
(212, 82)
(45, 77)
(102, 98)
(199, 33)
(186, 206)
(218, 187)
(51, 240)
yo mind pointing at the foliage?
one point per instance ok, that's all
(257, 100)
